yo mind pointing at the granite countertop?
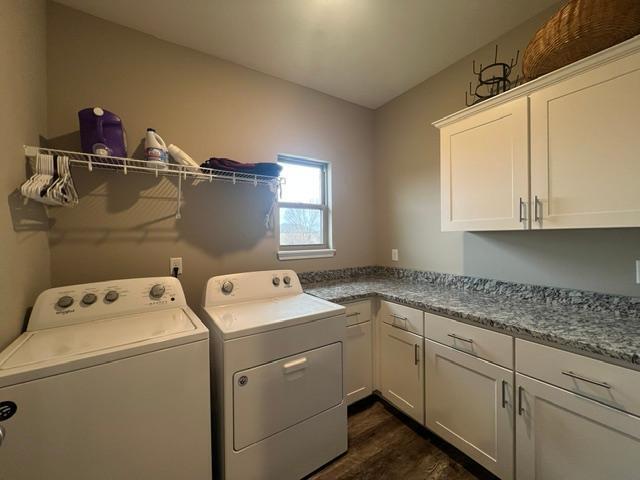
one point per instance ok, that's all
(607, 334)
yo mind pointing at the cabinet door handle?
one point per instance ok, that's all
(457, 337)
(504, 395)
(536, 203)
(569, 373)
(416, 354)
(399, 317)
(520, 408)
(353, 314)
(522, 216)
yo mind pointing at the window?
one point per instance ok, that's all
(304, 220)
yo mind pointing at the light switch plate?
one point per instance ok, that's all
(394, 254)
(638, 271)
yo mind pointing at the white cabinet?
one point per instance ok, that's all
(585, 148)
(561, 435)
(401, 369)
(577, 131)
(469, 403)
(358, 362)
(485, 170)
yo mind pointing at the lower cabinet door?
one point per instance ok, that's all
(563, 436)
(401, 370)
(358, 362)
(469, 403)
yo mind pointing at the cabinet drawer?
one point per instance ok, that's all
(406, 318)
(492, 346)
(358, 312)
(612, 385)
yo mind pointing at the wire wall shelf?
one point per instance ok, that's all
(125, 166)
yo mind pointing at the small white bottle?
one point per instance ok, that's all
(155, 150)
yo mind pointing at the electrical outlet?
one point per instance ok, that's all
(175, 262)
(394, 254)
(638, 271)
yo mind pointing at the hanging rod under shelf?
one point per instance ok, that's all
(126, 165)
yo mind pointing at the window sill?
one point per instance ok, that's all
(304, 254)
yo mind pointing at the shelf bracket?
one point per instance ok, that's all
(178, 198)
(31, 152)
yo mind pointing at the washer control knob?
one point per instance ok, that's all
(89, 299)
(65, 301)
(157, 291)
(287, 280)
(227, 287)
(111, 296)
(275, 281)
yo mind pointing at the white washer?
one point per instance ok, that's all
(277, 376)
(110, 380)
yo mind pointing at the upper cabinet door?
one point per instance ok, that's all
(485, 170)
(585, 149)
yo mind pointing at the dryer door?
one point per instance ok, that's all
(274, 396)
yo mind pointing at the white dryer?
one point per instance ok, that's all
(277, 376)
(110, 380)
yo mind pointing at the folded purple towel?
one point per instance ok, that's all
(228, 165)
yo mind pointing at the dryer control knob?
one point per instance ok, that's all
(227, 287)
(157, 291)
(111, 296)
(275, 281)
(287, 280)
(65, 302)
(89, 299)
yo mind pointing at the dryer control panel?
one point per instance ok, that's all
(74, 304)
(243, 287)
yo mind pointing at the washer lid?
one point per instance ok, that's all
(54, 345)
(248, 318)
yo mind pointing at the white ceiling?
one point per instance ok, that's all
(364, 51)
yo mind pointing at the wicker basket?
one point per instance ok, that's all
(579, 29)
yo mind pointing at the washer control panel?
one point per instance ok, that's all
(74, 304)
(242, 287)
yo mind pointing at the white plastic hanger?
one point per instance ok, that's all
(45, 187)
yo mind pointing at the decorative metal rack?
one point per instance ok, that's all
(182, 172)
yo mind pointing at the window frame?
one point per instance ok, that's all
(324, 249)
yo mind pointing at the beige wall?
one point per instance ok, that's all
(124, 226)
(24, 259)
(408, 200)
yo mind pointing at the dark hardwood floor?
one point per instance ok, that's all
(385, 444)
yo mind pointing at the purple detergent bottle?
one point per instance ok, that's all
(102, 133)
